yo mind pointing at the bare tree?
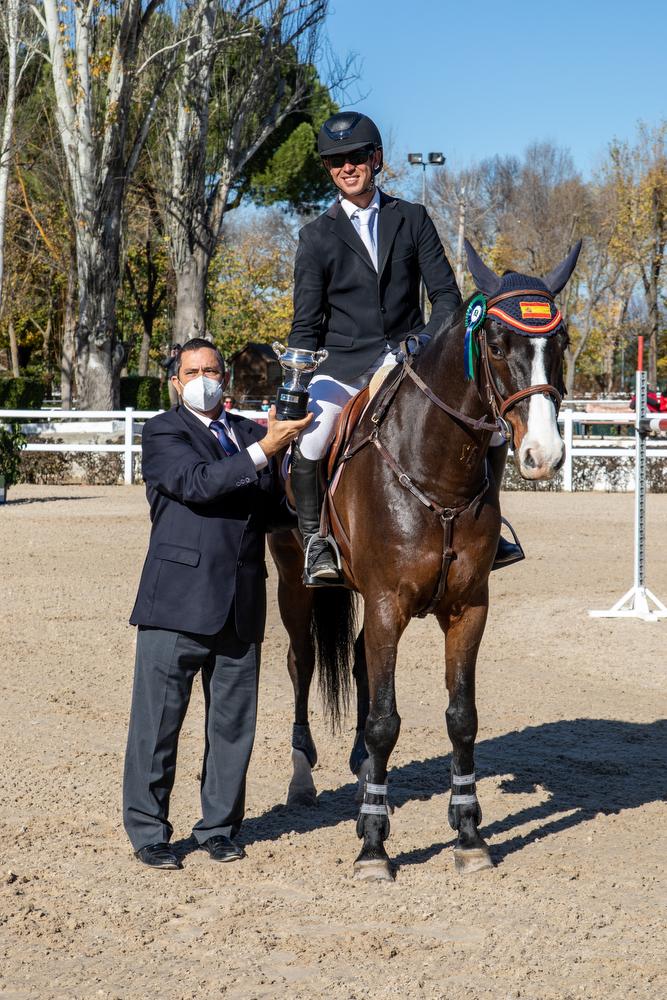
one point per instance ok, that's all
(20, 39)
(107, 86)
(638, 176)
(248, 65)
(463, 203)
(599, 293)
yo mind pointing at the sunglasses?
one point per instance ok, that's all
(356, 157)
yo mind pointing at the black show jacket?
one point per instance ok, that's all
(343, 304)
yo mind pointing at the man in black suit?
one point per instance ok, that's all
(201, 605)
(356, 293)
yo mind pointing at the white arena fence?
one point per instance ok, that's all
(125, 427)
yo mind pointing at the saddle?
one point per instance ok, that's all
(350, 416)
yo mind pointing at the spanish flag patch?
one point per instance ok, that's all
(535, 310)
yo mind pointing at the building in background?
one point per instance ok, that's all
(254, 373)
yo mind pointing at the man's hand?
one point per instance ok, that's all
(281, 432)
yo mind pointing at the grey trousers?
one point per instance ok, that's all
(165, 667)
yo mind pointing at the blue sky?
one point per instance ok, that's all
(476, 79)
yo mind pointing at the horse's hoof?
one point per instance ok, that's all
(301, 791)
(475, 859)
(301, 798)
(374, 870)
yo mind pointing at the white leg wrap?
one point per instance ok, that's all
(376, 789)
(463, 779)
(374, 810)
(463, 800)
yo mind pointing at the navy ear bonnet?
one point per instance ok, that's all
(523, 303)
(525, 313)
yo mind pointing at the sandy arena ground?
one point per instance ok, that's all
(571, 751)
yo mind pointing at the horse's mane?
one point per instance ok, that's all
(448, 325)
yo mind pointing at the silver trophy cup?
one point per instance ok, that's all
(292, 398)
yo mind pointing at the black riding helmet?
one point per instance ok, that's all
(346, 131)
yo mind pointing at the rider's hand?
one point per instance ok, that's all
(413, 344)
(280, 433)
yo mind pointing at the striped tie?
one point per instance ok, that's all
(222, 434)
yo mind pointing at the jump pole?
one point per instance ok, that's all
(638, 600)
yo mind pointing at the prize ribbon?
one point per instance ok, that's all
(475, 316)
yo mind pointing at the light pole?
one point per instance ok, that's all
(419, 160)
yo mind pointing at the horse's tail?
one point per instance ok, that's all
(334, 630)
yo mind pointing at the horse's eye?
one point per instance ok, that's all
(496, 351)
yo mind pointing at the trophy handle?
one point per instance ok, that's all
(278, 348)
(321, 356)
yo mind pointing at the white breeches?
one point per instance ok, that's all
(327, 398)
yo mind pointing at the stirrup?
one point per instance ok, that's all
(322, 581)
(514, 552)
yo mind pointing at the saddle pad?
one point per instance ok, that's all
(379, 378)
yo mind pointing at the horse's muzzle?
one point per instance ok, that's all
(535, 461)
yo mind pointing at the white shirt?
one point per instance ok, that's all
(255, 451)
(352, 210)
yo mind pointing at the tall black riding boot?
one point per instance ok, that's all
(507, 552)
(320, 567)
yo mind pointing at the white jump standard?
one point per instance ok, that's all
(639, 602)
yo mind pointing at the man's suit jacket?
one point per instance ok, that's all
(209, 513)
(343, 304)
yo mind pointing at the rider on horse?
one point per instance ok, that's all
(356, 293)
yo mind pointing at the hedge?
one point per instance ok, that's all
(21, 393)
(142, 392)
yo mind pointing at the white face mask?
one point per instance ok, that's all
(202, 393)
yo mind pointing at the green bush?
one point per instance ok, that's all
(21, 393)
(12, 441)
(165, 402)
(142, 392)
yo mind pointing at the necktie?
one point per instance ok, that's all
(366, 231)
(222, 434)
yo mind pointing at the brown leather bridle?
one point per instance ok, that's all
(500, 405)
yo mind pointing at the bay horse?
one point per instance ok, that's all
(417, 518)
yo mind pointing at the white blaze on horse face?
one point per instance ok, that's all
(542, 449)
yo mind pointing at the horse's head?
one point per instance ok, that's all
(522, 341)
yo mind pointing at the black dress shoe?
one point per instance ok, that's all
(223, 848)
(158, 856)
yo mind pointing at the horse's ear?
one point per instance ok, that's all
(486, 280)
(559, 277)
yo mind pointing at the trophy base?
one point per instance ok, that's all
(291, 404)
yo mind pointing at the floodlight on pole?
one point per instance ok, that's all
(432, 160)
